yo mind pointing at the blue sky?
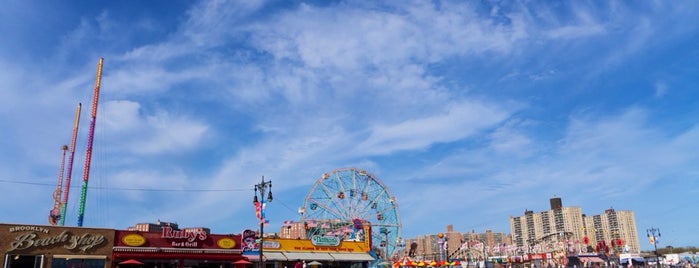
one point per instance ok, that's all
(469, 112)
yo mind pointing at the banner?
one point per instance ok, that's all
(258, 210)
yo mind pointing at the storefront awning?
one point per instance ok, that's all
(59, 256)
(269, 256)
(352, 257)
(170, 255)
(635, 259)
(252, 257)
(309, 256)
(591, 259)
(274, 256)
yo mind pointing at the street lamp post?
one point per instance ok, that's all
(485, 254)
(260, 211)
(385, 231)
(653, 234)
(443, 246)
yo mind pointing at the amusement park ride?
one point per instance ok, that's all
(348, 203)
(58, 212)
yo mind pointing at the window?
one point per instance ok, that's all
(77, 263)
(24, 261)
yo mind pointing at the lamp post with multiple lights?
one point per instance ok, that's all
(260, 211)
(385, 231)
(653, 234)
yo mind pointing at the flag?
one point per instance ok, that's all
(262, 210)
(258, 210)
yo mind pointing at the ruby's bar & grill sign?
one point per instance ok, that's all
(194, 246)
(169, 237)
(185, 237)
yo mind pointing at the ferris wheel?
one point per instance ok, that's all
(354, 205)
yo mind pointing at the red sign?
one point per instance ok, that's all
(169, 238)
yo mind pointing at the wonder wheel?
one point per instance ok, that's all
(354, 205)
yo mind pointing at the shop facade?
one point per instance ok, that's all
(172, 248)
(40, 246)
(318, 251)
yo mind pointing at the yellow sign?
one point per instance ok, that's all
(307, 245)
(133, 240)
(226, 243)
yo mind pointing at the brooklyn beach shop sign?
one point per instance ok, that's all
(37, 238)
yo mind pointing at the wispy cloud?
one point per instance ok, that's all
(660, 89)
(456, 122)
(156, 133)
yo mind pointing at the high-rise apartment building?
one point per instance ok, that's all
(613, 231)
(557, 224)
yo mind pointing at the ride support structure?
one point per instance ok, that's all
(55, 213)
(90, 138)
(69, 171)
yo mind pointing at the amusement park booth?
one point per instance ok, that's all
(318, 251)
(39, 246)
(174, 248)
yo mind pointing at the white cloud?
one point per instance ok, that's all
(574, 32)
(348, 38)
(150, 134)
(210, 22)
(458, 121)
(146, 79)
(660, 89)
(122, 115)
(508, 140)
(620, 153)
